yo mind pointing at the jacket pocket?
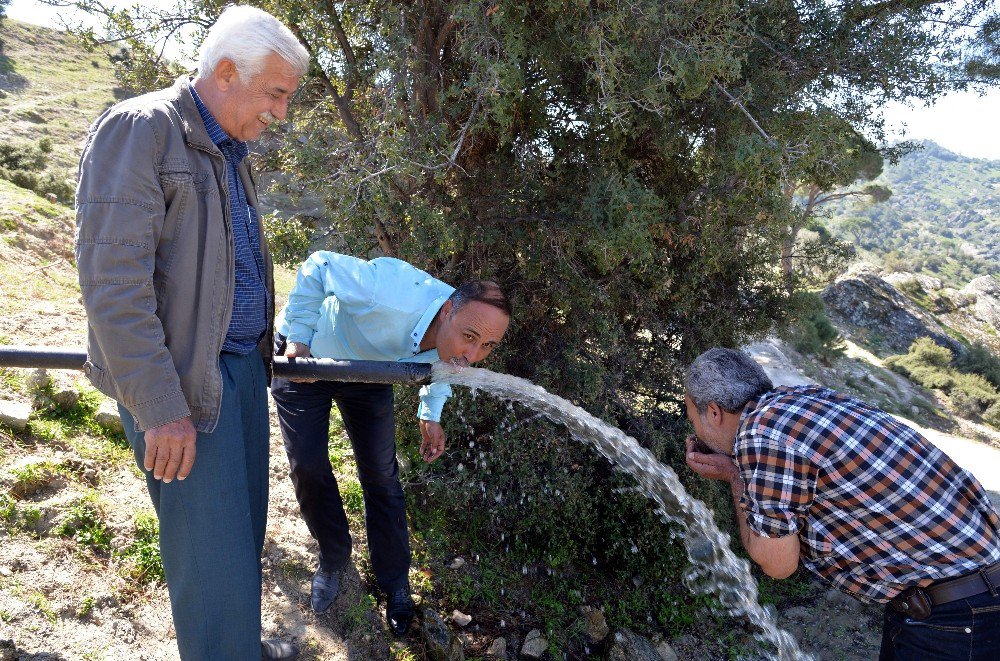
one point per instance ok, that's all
(98, 377)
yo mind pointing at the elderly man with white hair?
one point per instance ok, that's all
(177, 283)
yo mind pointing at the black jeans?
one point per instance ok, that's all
(966, 629)
(367, 411)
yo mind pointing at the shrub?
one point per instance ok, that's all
(926, 363)
(972, 394)
(980, 360)
(810, 331)
(992, 414)
(23, 164)
(287, 238)
(926, 352)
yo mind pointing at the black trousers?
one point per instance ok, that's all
(367, 412)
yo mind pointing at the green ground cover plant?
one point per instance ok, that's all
(931, 365)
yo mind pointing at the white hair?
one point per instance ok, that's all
(247, 35)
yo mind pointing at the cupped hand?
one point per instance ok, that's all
(433, 442)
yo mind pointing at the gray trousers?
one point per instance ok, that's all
(212, 523)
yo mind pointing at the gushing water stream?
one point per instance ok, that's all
(714, 568)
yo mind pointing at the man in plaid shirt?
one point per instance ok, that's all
(865, 502)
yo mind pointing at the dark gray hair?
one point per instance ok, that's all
(727, 377)
(247, 35)
(483, 291)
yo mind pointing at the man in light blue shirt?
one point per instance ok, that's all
(385, 309)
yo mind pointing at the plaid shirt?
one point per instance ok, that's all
(876, 506)
(249, 320)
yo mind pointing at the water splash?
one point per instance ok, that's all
(714, 568)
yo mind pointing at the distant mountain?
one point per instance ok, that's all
(943, 218)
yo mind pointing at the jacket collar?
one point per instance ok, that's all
(194, 127)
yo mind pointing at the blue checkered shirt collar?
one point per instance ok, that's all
(232, 148)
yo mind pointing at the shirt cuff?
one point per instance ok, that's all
(300, 333)
(430, 408)
(782, 525)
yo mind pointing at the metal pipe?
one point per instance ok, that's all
(324, 369)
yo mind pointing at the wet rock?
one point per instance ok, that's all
(535, 645)
(14, 414)
(597, 625)
(460, 618)
(442, 645)
(798, 613)
(498, 648)
(666, 652)
(628, 646)
(838, 599)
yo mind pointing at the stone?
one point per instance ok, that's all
(14, 414)
(865, 303)
(498, 648)
(38, 379)
(666, 652)
(108, 418)
(460, 618)
(628, 646)
(597, 626)
(457, 563)
(798, 613)
(65, 396)
(8, 650)
(441, 644)
(535, 645)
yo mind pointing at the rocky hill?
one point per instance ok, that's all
(943, 219)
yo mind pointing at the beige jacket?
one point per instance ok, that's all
(154, 248)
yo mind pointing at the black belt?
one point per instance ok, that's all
(917, 602)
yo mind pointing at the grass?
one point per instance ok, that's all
(64, 91)
(42, 605)
(34, 476)
(356, 614)
(86, 606)
(142, 556)
(84, 524)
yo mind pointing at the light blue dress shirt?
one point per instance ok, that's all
(351, 309)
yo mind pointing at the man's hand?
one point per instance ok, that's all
(297, 349)
(432, 446)
(712, 466)
(170, 450)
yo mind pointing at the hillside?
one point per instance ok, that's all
(942, 220)
(50, 88)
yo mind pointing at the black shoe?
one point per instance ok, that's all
(325, 588)
(277, 650)
(399, 611)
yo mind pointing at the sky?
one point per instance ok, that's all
(962, 122)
